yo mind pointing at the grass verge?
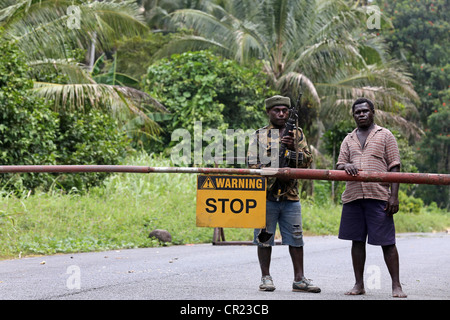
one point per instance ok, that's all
(121, 214)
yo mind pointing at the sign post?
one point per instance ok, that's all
(235, 201)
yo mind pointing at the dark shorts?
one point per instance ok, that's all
(366, 219)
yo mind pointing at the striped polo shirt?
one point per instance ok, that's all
(379, 153)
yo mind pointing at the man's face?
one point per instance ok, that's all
(278, 115)
(363, 115)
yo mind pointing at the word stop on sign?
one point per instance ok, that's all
(231, 201)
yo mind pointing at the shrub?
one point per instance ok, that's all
(32, 134)
(199, 86)
(27, 125)
(89, 138)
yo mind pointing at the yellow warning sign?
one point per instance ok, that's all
(231, 201)
(208, 184)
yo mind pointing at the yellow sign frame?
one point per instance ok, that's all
(231, 201)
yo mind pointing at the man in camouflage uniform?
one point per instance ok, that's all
(283, 205)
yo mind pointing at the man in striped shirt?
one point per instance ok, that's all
(368, 207)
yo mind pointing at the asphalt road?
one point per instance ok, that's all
(207, 272)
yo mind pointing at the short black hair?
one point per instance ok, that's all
(361, 101)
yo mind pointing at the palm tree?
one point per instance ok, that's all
(323, 45)
(157, 12)
(48, 31)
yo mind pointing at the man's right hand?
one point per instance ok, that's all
(350, 168)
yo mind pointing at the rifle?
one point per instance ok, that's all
(285, 154)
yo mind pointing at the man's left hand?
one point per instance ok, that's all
(392, 206)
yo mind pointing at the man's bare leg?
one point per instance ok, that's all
(358, 260)
(391, 258)
(264, 256)
(297, 261)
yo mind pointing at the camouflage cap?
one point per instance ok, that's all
(277, 101)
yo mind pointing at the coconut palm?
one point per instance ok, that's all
(323, 45)
(48, 31)
(157, 12)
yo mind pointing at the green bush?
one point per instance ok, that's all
(89, 138)
(32, 134)
(199, 86)
(409, 204)
(27, 125)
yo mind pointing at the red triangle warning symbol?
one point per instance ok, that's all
(208, 184)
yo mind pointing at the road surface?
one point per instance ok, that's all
(208, 272)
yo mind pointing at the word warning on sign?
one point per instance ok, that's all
(231, 201)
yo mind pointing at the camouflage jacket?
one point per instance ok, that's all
(259, 152)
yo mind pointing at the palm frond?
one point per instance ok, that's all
(200, 20)
(10, 8)
(123, 102)
(386, 82)
(408, 128)
(233, 38)
(44, 27)
(292, 82)
(73, 71)
(188, 43)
